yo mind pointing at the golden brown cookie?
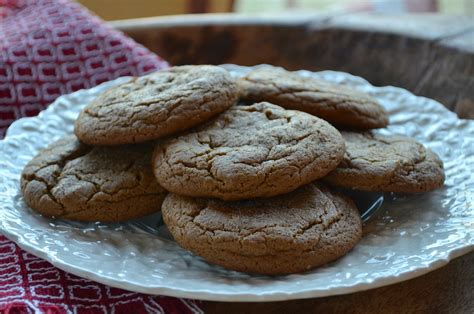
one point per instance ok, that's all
(74, 181)
(260, 150)
(339, 105)
(157, 105)
(387, 163)
(281, 235)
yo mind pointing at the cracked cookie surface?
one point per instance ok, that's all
(339, 105)
(74, 181)
(281, 235)
(156, 105)
(387, 163)
(260, 150)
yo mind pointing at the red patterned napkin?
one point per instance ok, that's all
(49, 48)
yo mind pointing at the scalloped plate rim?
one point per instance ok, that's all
(203, 294)
(237, 297)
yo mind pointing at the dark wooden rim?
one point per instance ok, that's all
(430, 55)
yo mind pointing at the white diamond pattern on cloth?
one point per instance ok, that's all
(49, 48)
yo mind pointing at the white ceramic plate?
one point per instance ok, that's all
(409, 236)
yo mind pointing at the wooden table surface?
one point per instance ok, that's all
(430, 55)
(449, 289)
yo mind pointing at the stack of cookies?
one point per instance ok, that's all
(246, 171)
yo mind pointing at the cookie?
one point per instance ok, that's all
(387, 163)
(156, 105)
(74, 181)
(281, 235)
(339, 105)
(260, 150)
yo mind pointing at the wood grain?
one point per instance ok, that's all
(430, 55)
(446, 290)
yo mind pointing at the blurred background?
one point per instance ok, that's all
(127, 9)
